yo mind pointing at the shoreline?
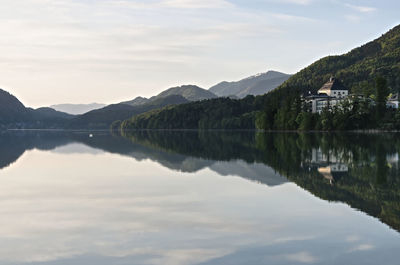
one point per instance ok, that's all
(206, 130)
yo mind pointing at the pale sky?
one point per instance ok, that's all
(107, 51)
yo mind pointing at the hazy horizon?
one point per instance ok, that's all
(68, 51)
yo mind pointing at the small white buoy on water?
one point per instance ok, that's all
(90, 135)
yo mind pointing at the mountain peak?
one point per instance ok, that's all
(190, 92)
(136, 101)
(11, 109)
(258, 84)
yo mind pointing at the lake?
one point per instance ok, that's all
(189, 197)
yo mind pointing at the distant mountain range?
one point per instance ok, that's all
(189, 92)
(49, 113)
(254, 85)
(77, 109)
(225, 105)
(279, 109)
(13, 114)
(102, 118)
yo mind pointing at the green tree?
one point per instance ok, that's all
(261, 120)
(381, 92)
(305, 121)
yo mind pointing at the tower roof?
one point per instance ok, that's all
(333, 84)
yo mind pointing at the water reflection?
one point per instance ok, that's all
(112, 209)
(361, 170)
(209, 152)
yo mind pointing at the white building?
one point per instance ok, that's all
(334, 88)
(319, 102)
(329, 95)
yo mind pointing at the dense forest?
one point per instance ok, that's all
(357, 69)
(206, 114)
(354, 113)
(371, 72)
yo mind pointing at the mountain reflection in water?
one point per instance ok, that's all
(361, 170)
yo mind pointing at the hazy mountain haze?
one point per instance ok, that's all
(77, 109)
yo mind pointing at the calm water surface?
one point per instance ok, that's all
(199, 198)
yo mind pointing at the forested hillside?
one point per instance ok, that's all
(207, 114)
(371, 71)
(362, 70)
(358, 68)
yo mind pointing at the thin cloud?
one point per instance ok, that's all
(176, 4)
(194, 4)
(352, 238)
(301, 257)
(287, 17)
(353, 18)
(297, 2)
(362, 247)
(99, 44)
(362, 9)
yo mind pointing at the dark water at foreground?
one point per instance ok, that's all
(199, 198)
